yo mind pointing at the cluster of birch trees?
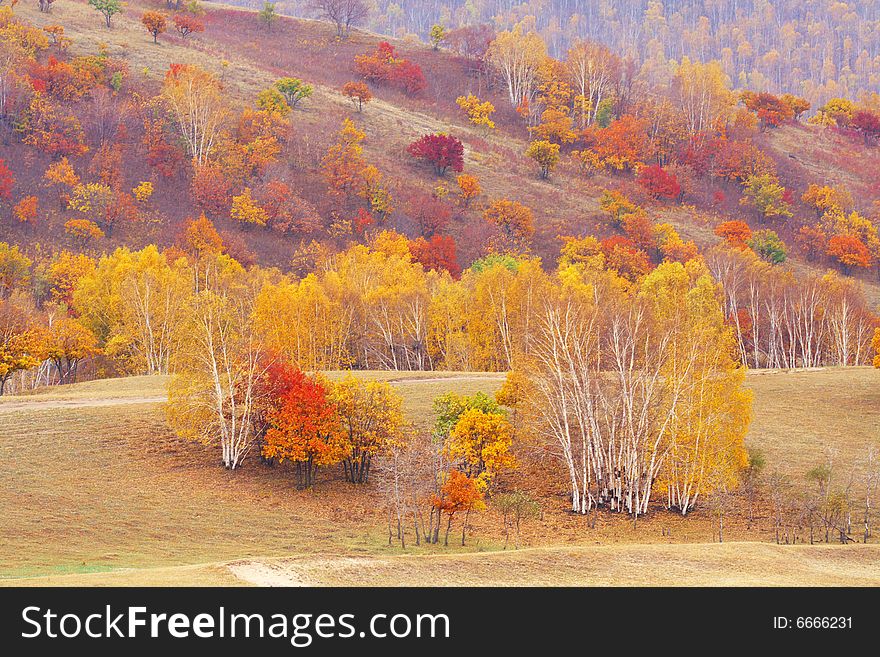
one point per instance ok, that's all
(639, 388)
(784, 320)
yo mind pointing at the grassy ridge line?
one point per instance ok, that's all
(700, 564)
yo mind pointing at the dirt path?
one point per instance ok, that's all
(55, 404)
(261, 573)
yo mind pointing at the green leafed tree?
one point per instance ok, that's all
(765, 194)
(768, 246)
(294, 90)
(107, 8)
(438, 35)
(268, 15)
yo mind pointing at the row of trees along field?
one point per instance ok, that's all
(634, 386)
(376, 307)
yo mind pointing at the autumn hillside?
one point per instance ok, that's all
(236, 46)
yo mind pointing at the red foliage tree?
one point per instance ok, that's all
(286, 210)
(279, 378)
(362, 221)
(430, 214)
(443, 151)
(438, 253)
(471, 43)
(162, 154)
(730, 159)
(735, 159)
(812, 241)
(640, 230)
(303, 427)
(771, 110)
(868, 124)
(624, 257)
(384, 67)
(210, 188)
(659, 183)
(185, 24)
(375, 66)
(409, 78)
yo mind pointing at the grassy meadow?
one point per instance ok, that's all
(96, 490)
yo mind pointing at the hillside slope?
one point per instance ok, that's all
(238, 48)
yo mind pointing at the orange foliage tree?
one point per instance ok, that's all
(736, 233)
(468, 188)
(155, 23)
(812, 240)
(305, 429)
(26, 210)
(358, 93)
(459, 493)
(516, 221)
(849, 251)
(621, 146)
(200, 238)
(83, 232)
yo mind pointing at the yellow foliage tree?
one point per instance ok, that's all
(247, 211)
(481, 442)
(372, 418)
(479, 112)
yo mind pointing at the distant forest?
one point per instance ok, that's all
(818, 49)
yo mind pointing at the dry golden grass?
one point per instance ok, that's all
(798, 415)
(95, 481)
(106, 495)
(712, 564)
(213, 574)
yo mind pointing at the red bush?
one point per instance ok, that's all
(659, 183)
(868, 124)
(6, 180)
(443, 151)
(438, 253)
(383, 67)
